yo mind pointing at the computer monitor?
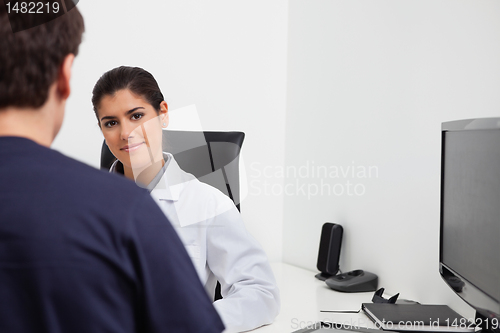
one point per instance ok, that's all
(470, 215)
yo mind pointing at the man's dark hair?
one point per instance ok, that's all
(30, 60)
(139, 81)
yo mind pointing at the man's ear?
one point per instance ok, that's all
(63, 87)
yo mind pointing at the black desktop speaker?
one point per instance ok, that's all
(329, 250)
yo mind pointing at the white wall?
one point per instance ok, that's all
(227, 58)
(369, 83)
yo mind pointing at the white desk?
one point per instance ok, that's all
(303, 297)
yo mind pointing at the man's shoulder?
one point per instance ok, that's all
(34, 166)
(86, 176)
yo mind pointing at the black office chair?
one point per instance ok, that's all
(212, 157)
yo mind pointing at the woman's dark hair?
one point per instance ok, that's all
(139, 81)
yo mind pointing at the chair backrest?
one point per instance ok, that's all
(212, 157)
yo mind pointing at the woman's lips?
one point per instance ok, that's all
(132, 147)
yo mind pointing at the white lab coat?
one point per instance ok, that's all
(212, 230)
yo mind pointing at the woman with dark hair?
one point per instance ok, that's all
(131, 112)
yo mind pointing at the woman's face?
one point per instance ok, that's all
(132, 128)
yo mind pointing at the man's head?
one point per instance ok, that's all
(31, 60)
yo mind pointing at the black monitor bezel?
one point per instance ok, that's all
(484, 304)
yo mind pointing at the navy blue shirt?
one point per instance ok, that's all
(85, 251)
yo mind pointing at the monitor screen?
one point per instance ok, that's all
(470, 212)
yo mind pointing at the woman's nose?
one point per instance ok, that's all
(127, 131)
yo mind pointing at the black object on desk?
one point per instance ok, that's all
(377, 297)
(329, 250)
(353, 282)
(416, 317)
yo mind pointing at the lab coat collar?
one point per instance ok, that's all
(173, 181)
(170, 187)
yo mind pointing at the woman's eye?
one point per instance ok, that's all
(137, 116)
(110, 123)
